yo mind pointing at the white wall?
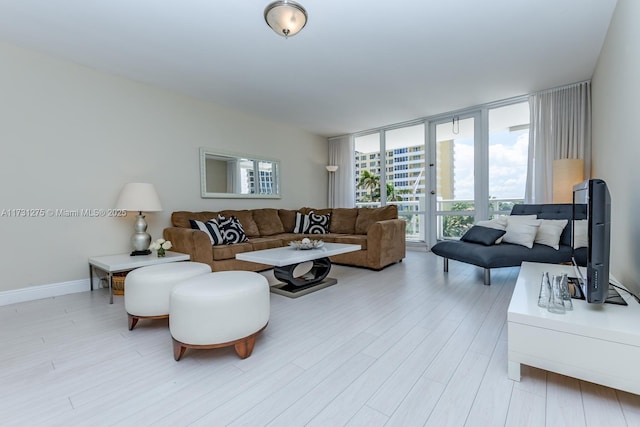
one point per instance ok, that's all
(616, 136)
(71, 137)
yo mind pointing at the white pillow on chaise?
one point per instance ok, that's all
(521, 230)
(550, 231)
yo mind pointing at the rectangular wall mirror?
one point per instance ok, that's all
(234, 175)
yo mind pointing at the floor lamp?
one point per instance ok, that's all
(330, 189)
(566, 173)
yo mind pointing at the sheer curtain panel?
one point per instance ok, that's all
(560, 128)
(341, 191)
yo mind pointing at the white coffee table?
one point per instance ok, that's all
(286, 259)
(596, 343)
(124, 262)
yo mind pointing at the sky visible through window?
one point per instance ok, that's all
(508, 153)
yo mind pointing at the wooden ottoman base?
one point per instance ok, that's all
(243, 346)
(133, 320)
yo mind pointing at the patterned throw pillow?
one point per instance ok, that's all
(302, 223)
(312, 223)
(318, 224)
(211, 228)
(231, 230)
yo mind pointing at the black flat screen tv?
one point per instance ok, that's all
(595, 194)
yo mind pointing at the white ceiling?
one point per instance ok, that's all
(358, 64)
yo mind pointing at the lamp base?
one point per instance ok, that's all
(135, 253)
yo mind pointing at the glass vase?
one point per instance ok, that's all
(161, 253)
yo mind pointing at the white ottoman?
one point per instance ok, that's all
(221, 309)
(148, 288)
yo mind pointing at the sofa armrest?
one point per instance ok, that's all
(386, 242)
(196, 243)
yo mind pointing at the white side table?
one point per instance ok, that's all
(124, 262)
(595, 343)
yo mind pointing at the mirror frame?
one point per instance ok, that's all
(204, 151)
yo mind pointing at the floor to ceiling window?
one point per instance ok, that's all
(471, 165)
(390, 169)
(453, 176)
(508, 154)
(481, 166)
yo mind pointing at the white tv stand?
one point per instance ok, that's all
(596, 343)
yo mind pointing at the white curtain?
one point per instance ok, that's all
(560, 128)
(341, 193)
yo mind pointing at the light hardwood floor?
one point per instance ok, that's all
(407, 346)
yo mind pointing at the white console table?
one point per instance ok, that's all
(595, 343)
(124, 262)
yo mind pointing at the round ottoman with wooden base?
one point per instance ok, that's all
(221, 309)
(148, 289)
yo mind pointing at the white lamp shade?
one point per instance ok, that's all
(286, 18)
(332, 168)
(139, 197)
(566, 173)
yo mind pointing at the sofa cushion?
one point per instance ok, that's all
(246, 219)
(181, 218)
(307, 210)
(343, 220)
(368, 216)
(483, 235)
(289, 237)
(268, 221)
(353, 239)
(260, 243)
(229, 251)
(288, 219)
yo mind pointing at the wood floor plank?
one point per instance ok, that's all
(367, 417)
(348, 402)
(601, 406)
(278, 401)
(491, 404)
(564, 401)
(457, 398)
(309, 405)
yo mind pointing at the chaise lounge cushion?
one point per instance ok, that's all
(502, 255)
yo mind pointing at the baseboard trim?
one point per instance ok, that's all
(31, 293)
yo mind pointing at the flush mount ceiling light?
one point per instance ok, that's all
(285, 17)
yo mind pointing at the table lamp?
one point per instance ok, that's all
(139, 197)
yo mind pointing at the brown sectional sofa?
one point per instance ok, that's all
(377, 230)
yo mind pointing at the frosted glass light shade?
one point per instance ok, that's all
(286, 18)
(332, 168)
(139, 197)
(566, 173)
